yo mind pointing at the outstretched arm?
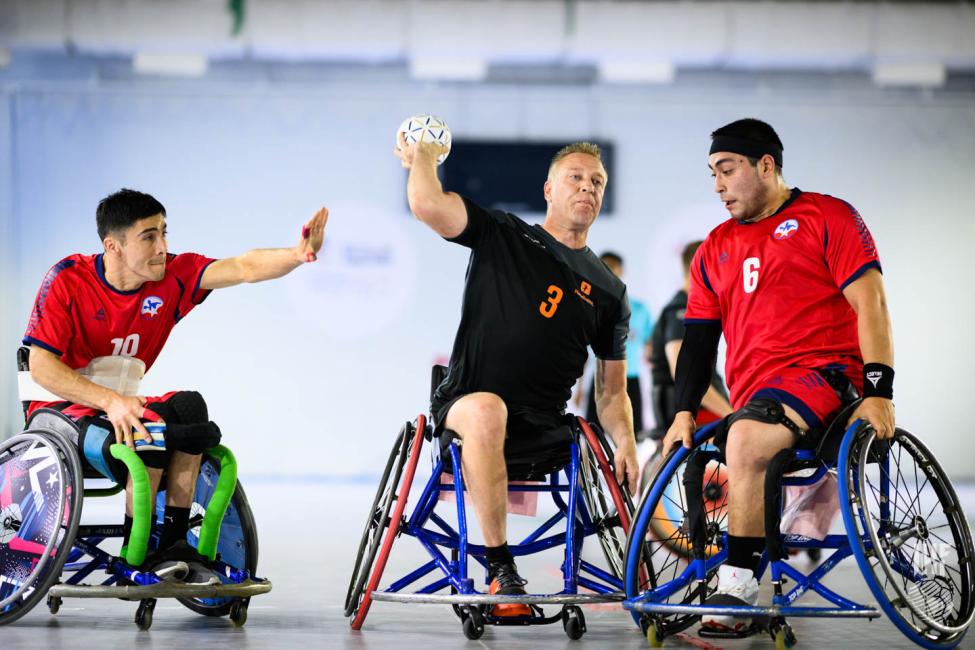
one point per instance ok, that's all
(123, 412)
(443, 211)
(268, 263)
(866, 296)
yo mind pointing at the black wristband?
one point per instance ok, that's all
(878, 380)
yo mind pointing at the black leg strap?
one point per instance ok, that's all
(773, 503)
(693, 481)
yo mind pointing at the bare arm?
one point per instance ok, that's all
(443, 211)
(268, 263)
(123, 412)
(712, 400)
(616, 415)
(867, 297)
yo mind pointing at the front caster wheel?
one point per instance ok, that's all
(54, 604)
(473, 624)
(238, 613)
(143, 615)
(783, 635)
(573, 622)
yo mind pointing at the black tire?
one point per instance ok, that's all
(897, 498)
(143, 614)
(237, 545)
(473, 624)
(573, 622)
(42, 575)
(665, 565)
(377, 518)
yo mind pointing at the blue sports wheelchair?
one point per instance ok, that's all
(46, 553)
(903, 525)
(572, 464)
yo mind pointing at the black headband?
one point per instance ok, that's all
(745, 147)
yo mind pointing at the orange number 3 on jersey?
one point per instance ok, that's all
(548, 307)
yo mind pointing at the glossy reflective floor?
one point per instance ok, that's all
(309, 532)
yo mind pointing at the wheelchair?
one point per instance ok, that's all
(903, 525)
(575, 468)
(47, 554)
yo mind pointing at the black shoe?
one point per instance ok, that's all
(505, 581)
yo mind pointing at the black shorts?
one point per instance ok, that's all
(536, 442)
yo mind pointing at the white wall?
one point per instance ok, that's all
(313, 374)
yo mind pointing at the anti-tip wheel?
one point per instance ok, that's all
(573, 622)
(238, 613)
(473, 624)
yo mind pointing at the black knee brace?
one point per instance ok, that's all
(192, 438)
(188, 426)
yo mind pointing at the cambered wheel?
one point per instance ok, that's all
(664, 505)
(237, 545)
(383, 520)
(909, 535)
(40, 505)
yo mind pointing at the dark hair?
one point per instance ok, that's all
(687, 255)
(610, 257)
(118, 211)
(753, 130)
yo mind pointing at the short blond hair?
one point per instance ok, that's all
(588, 148)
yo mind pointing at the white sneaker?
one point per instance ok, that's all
(736, 586)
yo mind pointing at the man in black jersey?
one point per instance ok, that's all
(535, 298)
(668, 335)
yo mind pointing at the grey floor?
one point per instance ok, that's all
(309, 532)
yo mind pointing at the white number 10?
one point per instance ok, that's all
(750, 271)
(126, 347)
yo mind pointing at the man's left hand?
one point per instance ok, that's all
(312, 236)
(627, 469)
(879, 413)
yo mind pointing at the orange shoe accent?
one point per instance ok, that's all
(513, 609)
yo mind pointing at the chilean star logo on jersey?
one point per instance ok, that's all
(151, 306)
(786, 229)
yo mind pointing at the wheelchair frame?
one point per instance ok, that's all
(69, 543)
(651, 604)
(471, 605)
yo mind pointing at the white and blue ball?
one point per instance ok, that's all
(426, 128)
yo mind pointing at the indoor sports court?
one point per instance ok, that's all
(337, 487)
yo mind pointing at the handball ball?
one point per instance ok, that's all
(427, 128)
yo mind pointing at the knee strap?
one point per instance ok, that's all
(693, 481)
(773, 503)
(192, 438)
(765, 410)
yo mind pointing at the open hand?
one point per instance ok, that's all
(407, 152)
(312, 236)
(125, 414)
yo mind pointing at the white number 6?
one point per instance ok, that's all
(750, 270)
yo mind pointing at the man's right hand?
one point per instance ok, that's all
(125, 413)
(407, 152)
(680, 432)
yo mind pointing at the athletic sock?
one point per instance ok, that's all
(175, 523)
(496, 554)
(745, 552)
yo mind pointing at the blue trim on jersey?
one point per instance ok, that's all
(704, 276)
(182, 290)
(860, 271)
(789, 399)
(701, 321)
(100, 269)
(30, 340)
(196, 288)
(95, 437)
